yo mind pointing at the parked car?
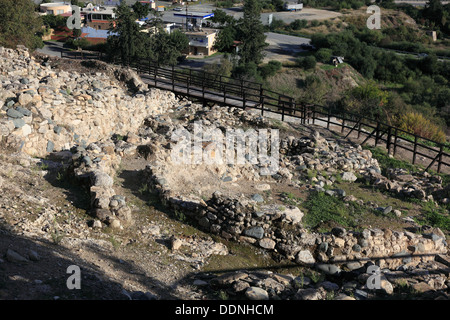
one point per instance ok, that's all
(307, 46)
(177, 9)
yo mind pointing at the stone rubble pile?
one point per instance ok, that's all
(429, 281)
(422, 185)
(43, 110)
(278, 228)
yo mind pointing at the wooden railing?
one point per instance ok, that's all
(247, 94)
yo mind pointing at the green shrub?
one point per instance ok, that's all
(417, 124)
(298, 24)
(307, 63)
(269, 69)
(323, 55)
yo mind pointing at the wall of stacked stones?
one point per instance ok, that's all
(43, 110)
(279, 228)
(46, 113)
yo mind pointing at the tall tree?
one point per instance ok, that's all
(141, 10)
(252, 35)
(222, 18)
(433, 11)
(165, 48)
(225, 40)
(129, 41)
(20, 24)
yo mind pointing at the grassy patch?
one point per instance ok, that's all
(242, 256)
(325, 212)
(387, 162)
(435, 216)
(383, 199)
(331, 67)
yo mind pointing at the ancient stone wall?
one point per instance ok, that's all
(43, 110)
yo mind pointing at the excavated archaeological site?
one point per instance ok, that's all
(93, 175)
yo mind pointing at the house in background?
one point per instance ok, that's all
(336, 60)
(98, 17)
(151, 3)
(293, 6)
(94, 35)
(201, 42)
(55, 8)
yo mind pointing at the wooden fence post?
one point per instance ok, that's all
(377, 133)
(313, 114)
(395, 141)
(441, 149)
(329, 118)
(415, 150)
(388, 142)
(173, 78)
(224, 94)
(291, 105)
(261, 98)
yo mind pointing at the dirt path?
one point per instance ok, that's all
(48, 226)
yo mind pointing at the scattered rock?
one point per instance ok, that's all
(267, 243)
(255, 293)
(349, 176)
(305, 257)
(13, 256)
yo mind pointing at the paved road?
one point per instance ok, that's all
(281, 47)
(52, 48)
(417, 2)
(288, 17)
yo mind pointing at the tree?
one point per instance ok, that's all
(54, 21)
(141, 10)
(315, 90)
(367, 100)
(388, 4)
(429, 64)
(433, 11)
(246, 72)
(278, 4)
(251, 31)
(298, 24)
(225, 39)
(77, 3)
(269, 69)
(222, 18)
(164, 48)
(20, 24)
(129, 41)
(221, 68)
(76, 33)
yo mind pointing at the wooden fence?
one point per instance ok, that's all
(247, 94)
